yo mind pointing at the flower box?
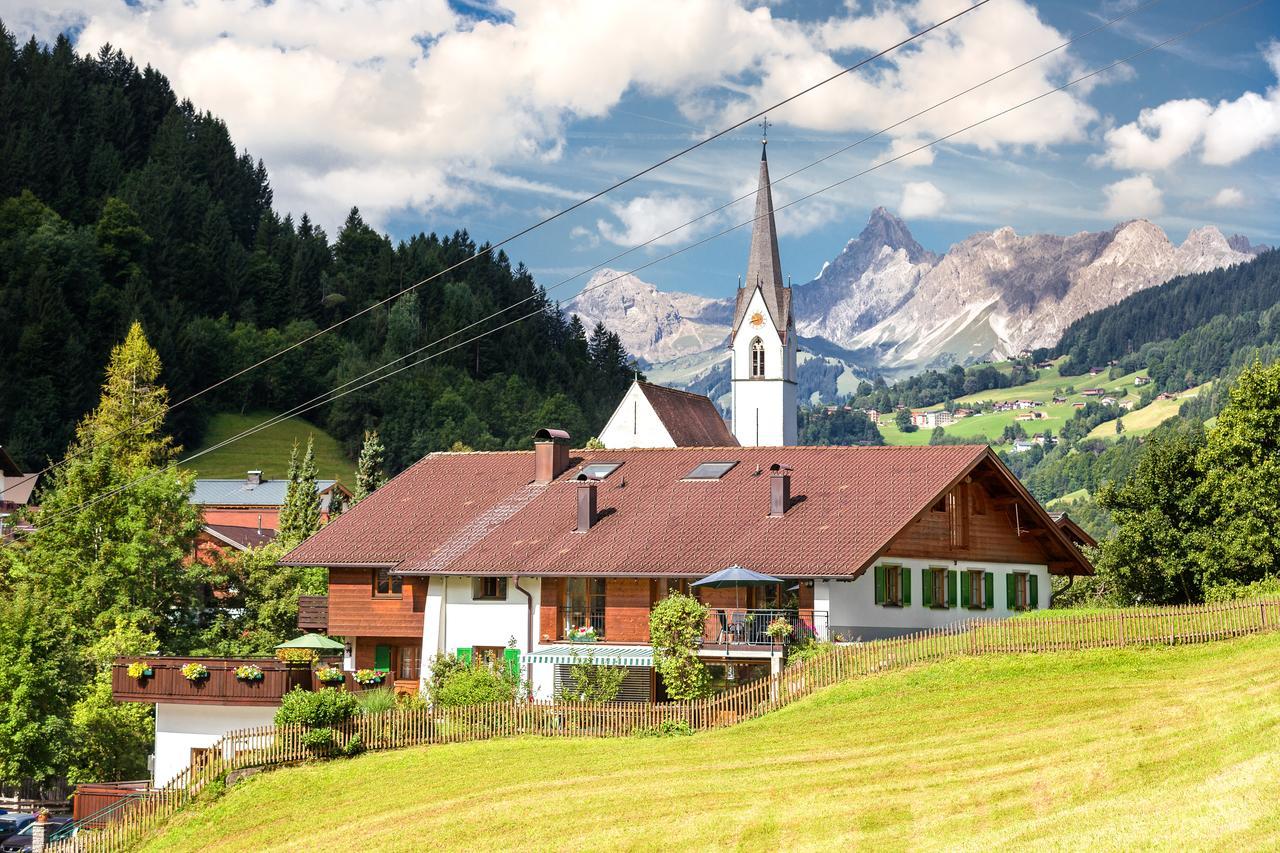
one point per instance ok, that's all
(249, 672)
(330, 675)
(583, 634)
(195, 672)
(140, 670)
(368, 677)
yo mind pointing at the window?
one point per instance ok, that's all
(487, 655)
(934, 588)
(386, 585)
(599, 470)
(583, 606)
(1022, 591)
(410, 662)
(488, 589)
(893, 586)
(977, 590)
(710, 470)
(757, 358)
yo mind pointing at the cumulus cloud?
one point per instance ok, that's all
(645, 217)
(397, 104)
(1228, 197)
(1223, 134)
(1134, 198)
(921, 199)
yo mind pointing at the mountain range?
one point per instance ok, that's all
(886, 304)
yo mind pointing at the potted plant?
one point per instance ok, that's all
(368, 677)
(140, 670)
(329, 675)
(779, 629)
(195, 672)
(582, 634)
(249, 672)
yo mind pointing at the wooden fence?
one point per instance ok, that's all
(414, 727)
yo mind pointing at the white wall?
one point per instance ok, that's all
(456, 621)
(635, 424)
(181, 728)
(853, 604)
(764, 410)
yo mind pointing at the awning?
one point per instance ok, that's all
(594, 653)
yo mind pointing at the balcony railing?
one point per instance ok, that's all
(569, 619)
(167, 683)
(735, 626)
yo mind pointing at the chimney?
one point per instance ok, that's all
(550, 454)
(779, 490)
(254, 478)
(586, 503)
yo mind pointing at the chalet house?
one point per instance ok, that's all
(243, 514)
(1141, 380)
(16, 489)
(1093, 392)
(512, 555)
(1166, 396)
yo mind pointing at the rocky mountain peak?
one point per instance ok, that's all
(885, 229)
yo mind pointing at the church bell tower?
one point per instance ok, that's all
(764, 335)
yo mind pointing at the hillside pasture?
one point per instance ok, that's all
(269, 449)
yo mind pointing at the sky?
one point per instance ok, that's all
(489, 116)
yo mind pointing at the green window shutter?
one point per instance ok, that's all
(511, 657)
(989, 590)
(951, 589)
(926, 587)
(382, 658)
(1011, 590)
(1033, 592)
(905, 575)
(464, 655)
(964, 590)
(879, 584)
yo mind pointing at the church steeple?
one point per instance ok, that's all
(764, 269)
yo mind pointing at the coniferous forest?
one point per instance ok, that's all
(119, 202)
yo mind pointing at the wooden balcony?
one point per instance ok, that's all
(220, 687)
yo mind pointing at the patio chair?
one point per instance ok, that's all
(724, 627)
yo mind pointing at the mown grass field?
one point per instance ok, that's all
(268, 449)
(1146, 419)
(1170, 748)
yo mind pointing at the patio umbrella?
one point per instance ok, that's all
(736, 577)
(315, 642)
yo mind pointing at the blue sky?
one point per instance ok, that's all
(431, 115)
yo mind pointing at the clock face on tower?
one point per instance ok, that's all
(757, 319)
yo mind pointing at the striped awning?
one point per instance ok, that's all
(597, 652)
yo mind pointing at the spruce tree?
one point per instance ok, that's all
(300, 515)
(369, 474)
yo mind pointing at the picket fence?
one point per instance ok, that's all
(263, 747)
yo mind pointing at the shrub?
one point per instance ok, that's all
(353, 747)
(318, 740)
(443, 667)
(1232, 591)
(376, 701)
(667, 728)
(324, 707)
(807, 650)
(476, 685)
(195, 671)
(675, 630)
(592, 682)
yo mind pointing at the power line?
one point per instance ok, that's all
(533, 227)
(326, 398)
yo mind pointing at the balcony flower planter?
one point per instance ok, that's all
(330, 675)
(249, 672)
(585, 634)
(368, 677)
(140, 670)
(195, 672)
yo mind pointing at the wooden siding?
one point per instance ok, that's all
(552, 595)
(990, 535)
(627, 602)
(313, 613)
(354, 612)
(221, 687)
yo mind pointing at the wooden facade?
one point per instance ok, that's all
(354, 610)
(221, 686)
(972, 524)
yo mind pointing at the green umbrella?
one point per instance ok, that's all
(315, 642)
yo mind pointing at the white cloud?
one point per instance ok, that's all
(1224, 134)
(922, 200)
(645, 217)
(1228, 197)
(1134, 198)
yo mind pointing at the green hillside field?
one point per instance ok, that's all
(1170, 748)
(1146, 419)
(269, 449)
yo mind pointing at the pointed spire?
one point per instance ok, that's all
(764, 269)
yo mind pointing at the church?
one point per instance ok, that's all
(762, 346)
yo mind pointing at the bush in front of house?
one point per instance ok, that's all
(377, 701)
(318, 740)
(675, 630)
(315, 709)
(667, 728)
(455, 682)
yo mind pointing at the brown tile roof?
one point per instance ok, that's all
(847, 504)
(1074, 531)
(691, 419)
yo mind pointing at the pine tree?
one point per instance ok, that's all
(131, 412)
(369, 475)
(300, 515)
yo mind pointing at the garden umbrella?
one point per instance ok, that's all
(736, 577)
(315, 642)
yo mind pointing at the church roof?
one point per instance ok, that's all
(764, 269)
(691, 420)
(483, 514)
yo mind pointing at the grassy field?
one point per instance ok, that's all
(1050, 384)
(269, 449)
(1170, 748)
(1147, 418)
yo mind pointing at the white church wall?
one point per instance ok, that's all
(635, 424)
(763, 410)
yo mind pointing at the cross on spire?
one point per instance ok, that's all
(764, 128)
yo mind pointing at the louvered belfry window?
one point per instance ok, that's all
(757, 358)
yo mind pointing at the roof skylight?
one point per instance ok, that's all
(599, 470)
(710, 470)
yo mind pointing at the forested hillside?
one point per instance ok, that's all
(120, 202)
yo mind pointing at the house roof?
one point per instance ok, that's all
(1074, 531)
(8, 468)
(481, 514)
(240, 538)
(692, 420)
(17, 489)
(209, 492)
